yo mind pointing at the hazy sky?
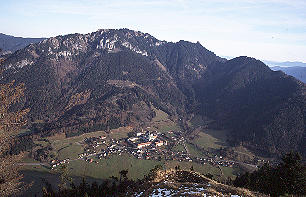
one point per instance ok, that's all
(264, 29)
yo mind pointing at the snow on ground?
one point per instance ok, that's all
(183, 190)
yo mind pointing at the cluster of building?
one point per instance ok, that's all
(57, 163)
(146, 139)
(95, 142)
(143, 145)
(150, 145)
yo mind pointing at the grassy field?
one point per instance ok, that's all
(221, 135)
(207, 141)
(70, 147)
(162, 122)
(178, 148)
(71, 151)
(160, 115)
(207, 138)
(36, 168)
(112, 166)
(37, 180)
(193, 151)
(119, 133)
(228, 172)
(27, 159)
(204, 169)
(137, 167)
(196, 121)
(211, 139)
(62, 140)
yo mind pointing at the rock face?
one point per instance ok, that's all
(110, 78)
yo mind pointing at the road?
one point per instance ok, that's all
(34, 164)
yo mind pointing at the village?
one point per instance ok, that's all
(144, 144)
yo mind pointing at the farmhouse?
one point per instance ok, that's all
(159, 143)
(133, 139)
(151, 137)
(142, 145)
(140, 133)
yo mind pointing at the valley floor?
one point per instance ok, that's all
(100, 155)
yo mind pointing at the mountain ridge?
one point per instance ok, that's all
(111, 78)
(295, 71)
(239, 108)
(10, 44)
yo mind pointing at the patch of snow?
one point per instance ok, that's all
(144, 53)
(64, 53)
(135, 49)
(55, 43)
(50, 52)
(127, 45)
(21, 64)
(138, 195)
(161, 192)
(158, 43)
(183, 190)
(108, 44)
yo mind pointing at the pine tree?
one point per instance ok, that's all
(292, 174)
(287, 178)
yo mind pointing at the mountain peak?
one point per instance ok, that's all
(245, 62)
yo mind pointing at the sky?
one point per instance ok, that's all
(264, 29)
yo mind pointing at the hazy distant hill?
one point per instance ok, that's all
(110, 78)
(285, 64)
(295, 71)
(12, 44)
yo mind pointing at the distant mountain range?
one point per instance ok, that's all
(285, 64)
(10, 44)
(110, 78)
(295, 71)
